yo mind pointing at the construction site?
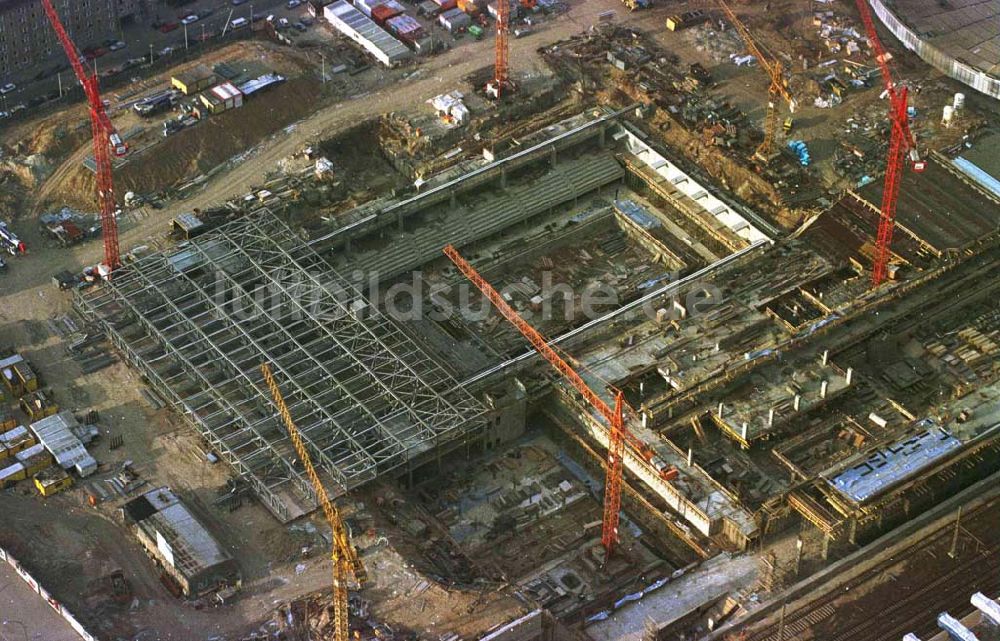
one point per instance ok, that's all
(581, 321)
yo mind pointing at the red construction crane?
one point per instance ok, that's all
(106, 141)
(901, 140)
(501, 81)
(618, 435)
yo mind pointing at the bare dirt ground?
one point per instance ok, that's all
(71, 544)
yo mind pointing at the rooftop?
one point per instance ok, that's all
(182, 539)
(366, 397)
(966, 29)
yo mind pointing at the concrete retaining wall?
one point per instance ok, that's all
(44, 594)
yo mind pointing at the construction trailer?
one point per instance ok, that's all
(29, 462)
(18, 377)
(194, 80)
(14, 441)
(52, 480)
(222, 97)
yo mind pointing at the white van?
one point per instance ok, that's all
(239, 23)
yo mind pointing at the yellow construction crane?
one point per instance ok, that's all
(776, 91)
(346, 562)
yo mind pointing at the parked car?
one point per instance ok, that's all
(168, 27)
(237, 3)
(191, 19)
(294, 3)
(298, 26)
(7, 88)
(239, 23)
(117, 45)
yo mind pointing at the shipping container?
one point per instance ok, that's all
(355, 25)
(454, 20)
(428, 9)
(406, 28)
(385, 12)
(470, 7)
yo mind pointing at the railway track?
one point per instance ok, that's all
(949, 590)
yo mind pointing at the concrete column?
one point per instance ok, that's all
(553, 156)
(797, 402)
(822, 388)
(852, 532)
(770, 417)
(645, 417)
(824, 551)
(849, 375)
(826, 356)
(690, 456)
(743, 430)
(722, 407)
(503, 177)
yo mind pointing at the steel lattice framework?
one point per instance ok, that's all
(197, 320)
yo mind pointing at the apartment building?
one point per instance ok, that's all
(27, 39)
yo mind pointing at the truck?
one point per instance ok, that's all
(637, 4)
(10, 242)
(159, 102)
(686, 20)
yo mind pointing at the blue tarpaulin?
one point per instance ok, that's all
(973, 171)
(637, 214)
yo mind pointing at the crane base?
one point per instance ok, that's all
(766, 160)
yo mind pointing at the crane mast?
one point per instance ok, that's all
(776, 90)
(106, 140)
(618, 434)
(901, 140)
(346, 562)
(501, 78)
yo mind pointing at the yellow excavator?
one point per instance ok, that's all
(346, 562)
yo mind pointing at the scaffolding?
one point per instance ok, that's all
(197, 321)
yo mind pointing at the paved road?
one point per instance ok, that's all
(24, 616)
(140, 39)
